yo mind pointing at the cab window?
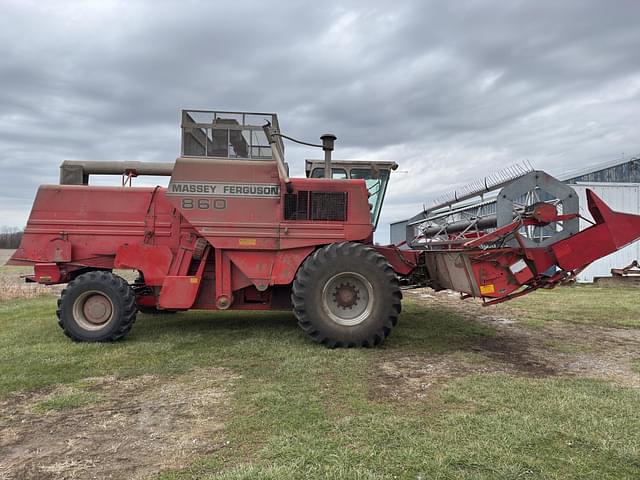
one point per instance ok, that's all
(376, 181)
(336, 173)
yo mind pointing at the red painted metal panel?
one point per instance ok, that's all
(179, 292)
(153, 261)
(257, 266)
(226, 219)
(58, 250)
(257, 223)
(613, 231)
(47, 273)
(403, 262)
(95, 221)
(286, 264)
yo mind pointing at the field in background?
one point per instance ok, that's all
(13, 286)
(5, 255)
(545, 387)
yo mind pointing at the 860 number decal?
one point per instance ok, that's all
(204, 204)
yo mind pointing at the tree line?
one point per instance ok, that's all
(10, 237)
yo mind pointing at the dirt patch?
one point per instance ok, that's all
(418, 376)
(137, 427)
(515, 354)
(557, 349)
(588, 351)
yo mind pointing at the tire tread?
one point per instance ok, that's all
(129, 310)
(329, 254)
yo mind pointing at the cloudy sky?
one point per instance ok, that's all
(449, 90)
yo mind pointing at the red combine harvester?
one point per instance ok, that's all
(233, 231)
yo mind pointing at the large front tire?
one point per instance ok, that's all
(97, 307)
(346, 295)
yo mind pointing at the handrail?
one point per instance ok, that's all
(282, 169)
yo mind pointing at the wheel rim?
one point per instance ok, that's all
(93, 310)
(347, 298)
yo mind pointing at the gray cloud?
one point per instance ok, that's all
(450, 90)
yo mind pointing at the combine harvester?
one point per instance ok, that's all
(233, 231)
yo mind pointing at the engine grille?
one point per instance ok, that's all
(316, 206)
(296, 206)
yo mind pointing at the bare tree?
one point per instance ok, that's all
(10, 237)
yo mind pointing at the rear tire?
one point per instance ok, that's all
(97, 307)
(346, 295)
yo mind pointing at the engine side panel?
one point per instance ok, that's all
(240, 204)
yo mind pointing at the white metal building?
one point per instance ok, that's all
(621, 197)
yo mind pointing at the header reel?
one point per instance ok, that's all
(531, 209)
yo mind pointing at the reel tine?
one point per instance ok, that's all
(490, 182)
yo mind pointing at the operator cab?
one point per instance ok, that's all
(237, 135)
(219, 135)
(374, 173)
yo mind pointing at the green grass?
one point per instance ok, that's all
(34, 353)
(488, 427)
(302, 411)
(66, 401)
(581, 304)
